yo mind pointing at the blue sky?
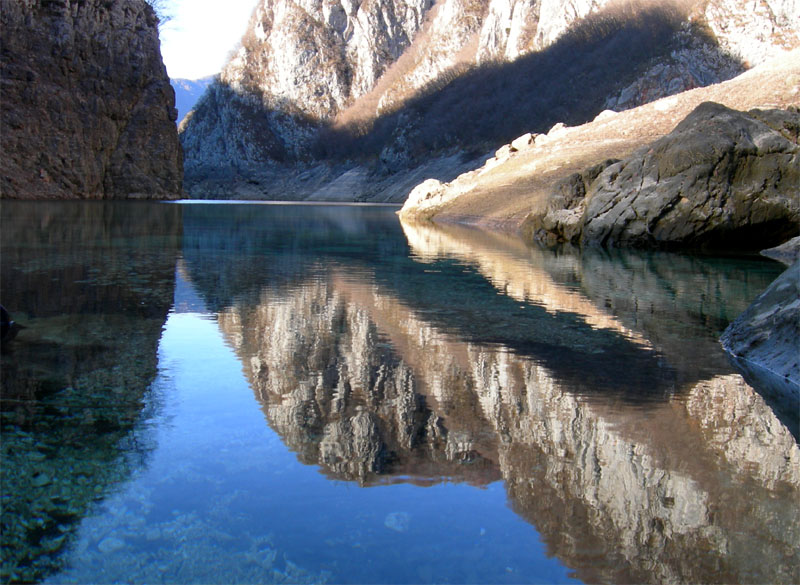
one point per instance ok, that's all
(195, 43)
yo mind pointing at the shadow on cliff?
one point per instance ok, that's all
(233, 137)
(568, 82)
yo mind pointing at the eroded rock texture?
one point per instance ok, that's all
(388, 84)
(767, 334)
(721, 179)
(87, 108)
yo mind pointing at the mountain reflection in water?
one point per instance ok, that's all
(591, 386)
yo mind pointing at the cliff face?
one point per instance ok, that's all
(389, 82)
(87, 108)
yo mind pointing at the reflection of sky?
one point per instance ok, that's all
(186, 298)
(223, 500)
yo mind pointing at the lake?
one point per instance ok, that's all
(256, 393)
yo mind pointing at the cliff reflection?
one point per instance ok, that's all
(92, 283)
(365, 378)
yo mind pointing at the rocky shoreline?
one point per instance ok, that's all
(692, 171)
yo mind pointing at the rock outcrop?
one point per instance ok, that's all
(765, 339)
(87, 107)
(721, 179)
(788, 252)
(515, 189)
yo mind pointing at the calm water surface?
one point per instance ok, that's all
(287, 393)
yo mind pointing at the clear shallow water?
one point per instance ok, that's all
(250, 394)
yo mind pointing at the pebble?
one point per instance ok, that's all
(398, 521)
(41, 480)
(110, 544)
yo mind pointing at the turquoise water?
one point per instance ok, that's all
(320, 394)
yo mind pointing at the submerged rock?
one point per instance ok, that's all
(398, 521)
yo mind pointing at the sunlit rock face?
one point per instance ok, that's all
(307, 71)
(317, 57)
(87, 108)
(754, 32)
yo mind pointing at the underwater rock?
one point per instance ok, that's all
(398, 521)
(110, 544)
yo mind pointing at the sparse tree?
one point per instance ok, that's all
(161, 8)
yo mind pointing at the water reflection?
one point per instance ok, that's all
(75, 381)
(589, 388)
(361, 381)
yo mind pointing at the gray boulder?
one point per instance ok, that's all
(764, 341)
(723, 179)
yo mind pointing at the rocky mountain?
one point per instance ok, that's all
(372, 90)
(187, 92)
(87, 108)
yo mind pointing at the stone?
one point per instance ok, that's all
(87, 108)
(523, 142)
(722, 179)
(788, 252)
(398, 521)
(110, 544)
(767, 335)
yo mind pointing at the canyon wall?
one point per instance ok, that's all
(87, 108)
(319, 90)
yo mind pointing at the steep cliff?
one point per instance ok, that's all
(385, 86)
(87, 108)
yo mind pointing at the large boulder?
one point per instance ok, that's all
(722, 179)
(87, 110)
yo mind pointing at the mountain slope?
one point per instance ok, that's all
(380, 88)
(515, 187)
